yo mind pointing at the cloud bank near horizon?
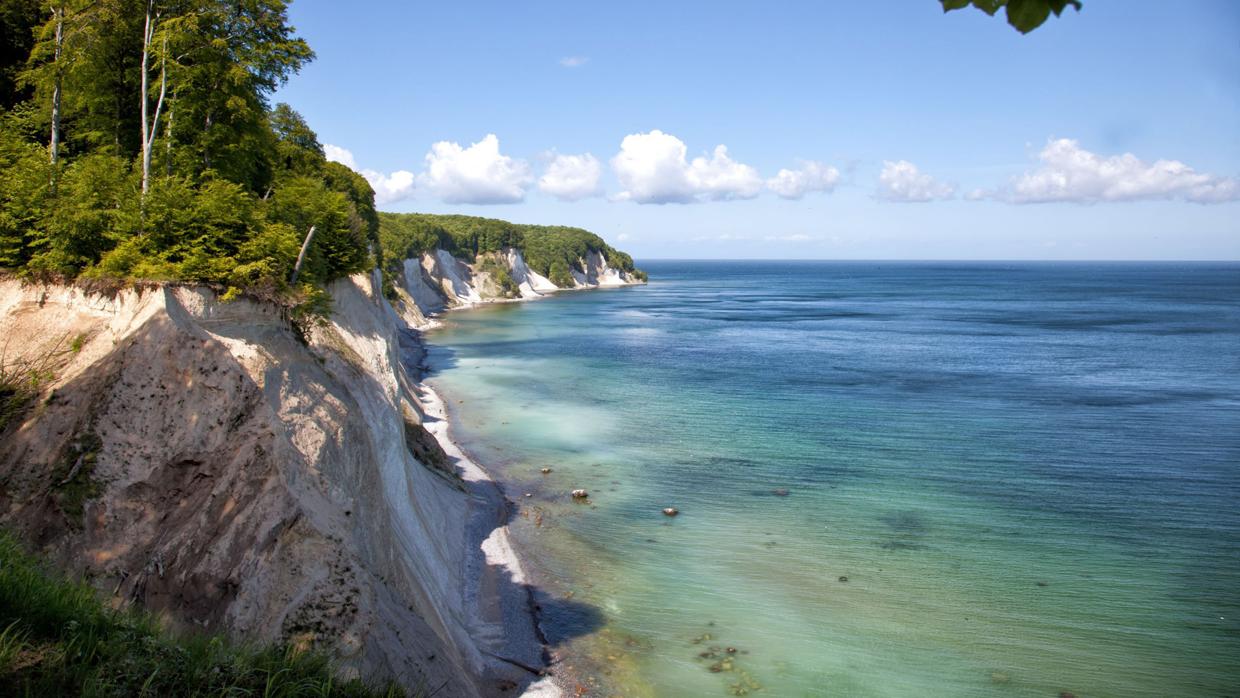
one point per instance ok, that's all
(902, 182)
(654, 168)
(1069, 173)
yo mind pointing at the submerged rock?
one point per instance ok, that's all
(843, 578)
(545, 471)
(780, 492)
(671, 511)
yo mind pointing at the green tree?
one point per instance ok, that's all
(24, 184)
(559, 274)
(18, 20)
(94, 208)
(340, 244)
(297, 147)
(231, 57)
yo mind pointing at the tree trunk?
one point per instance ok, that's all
(146, 49)
(206, 143)
(149, 127)
(54, 146)
(172, 104)
(301, 256)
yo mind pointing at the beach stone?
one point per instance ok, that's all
(545, 471)
(671, 511)
(580, 494)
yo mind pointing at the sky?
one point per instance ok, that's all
(794, 130)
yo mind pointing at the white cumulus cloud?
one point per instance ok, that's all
(335, 153)
(653, 169)
(902, 181)
(1068, 172)
(809, 177)
(574, 61)
(395, 186)
(572, 177)
(389, 188)
(479, 174)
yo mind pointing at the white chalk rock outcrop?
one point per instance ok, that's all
(438, 281)
(531, 283)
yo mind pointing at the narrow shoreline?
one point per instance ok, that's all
(499, 553)
(497, 549)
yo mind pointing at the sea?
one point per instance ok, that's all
(891, 478)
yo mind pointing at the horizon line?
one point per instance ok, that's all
(935, 259)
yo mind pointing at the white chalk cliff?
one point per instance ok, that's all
(438, 280)
(209, 461)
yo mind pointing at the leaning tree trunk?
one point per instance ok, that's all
(301, 256)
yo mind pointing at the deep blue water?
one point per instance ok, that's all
(1029, 473)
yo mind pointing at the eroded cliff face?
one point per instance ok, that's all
(438, 280)
(200, 458)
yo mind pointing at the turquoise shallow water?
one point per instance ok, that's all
(1027, 474)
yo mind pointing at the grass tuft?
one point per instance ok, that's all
(58, 639)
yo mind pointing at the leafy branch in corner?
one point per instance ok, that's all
(1024, 15)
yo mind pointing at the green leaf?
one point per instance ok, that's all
(1057, 6)
(949, 5)
(990, 7)
(1027, 15)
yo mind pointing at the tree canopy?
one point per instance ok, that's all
(137, 140)
(549, 250)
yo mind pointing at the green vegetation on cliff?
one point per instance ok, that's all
(58, 639)
(549, 250)
(137, 141)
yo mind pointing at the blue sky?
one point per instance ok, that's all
(901, 132)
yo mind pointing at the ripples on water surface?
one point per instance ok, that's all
(1027, 473)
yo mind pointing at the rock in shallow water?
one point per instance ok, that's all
(671, 511)
(580, 494)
